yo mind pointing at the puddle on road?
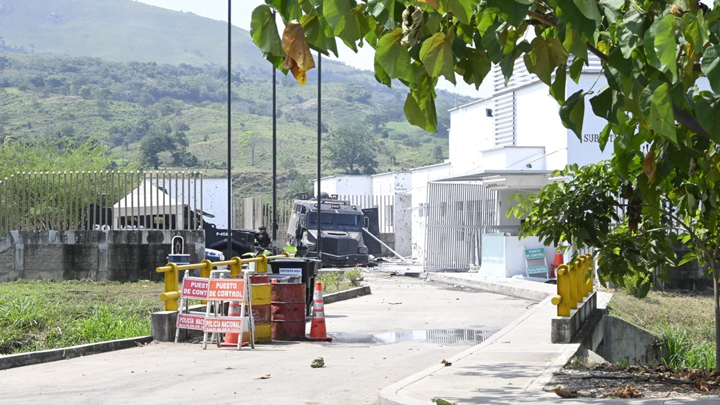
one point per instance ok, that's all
(443, 336)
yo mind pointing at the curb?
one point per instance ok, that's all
(504, 288)
(347, 294)
(46, 356)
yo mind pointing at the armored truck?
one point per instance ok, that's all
(341, 225)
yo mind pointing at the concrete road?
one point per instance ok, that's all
(361, 361)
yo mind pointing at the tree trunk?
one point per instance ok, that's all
(717, 318)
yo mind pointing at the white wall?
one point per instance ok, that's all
(471, 131)
(347, 185)
(587, 150)
(538, 124)
(420, 178)
(514, 158)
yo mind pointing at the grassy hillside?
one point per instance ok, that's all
(122, 31)
(128, 70)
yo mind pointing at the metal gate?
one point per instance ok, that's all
(457, 216)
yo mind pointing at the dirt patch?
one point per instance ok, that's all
(605, 381)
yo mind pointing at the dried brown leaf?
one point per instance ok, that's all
(565, 393)
(299, 60)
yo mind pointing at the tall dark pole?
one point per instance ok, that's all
(319, 142)
(274, 160)
(229, 131)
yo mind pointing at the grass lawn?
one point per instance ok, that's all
(685, 321)
(40, 315)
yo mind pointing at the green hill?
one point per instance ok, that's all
(129, 71)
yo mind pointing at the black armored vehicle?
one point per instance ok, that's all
(341, 225)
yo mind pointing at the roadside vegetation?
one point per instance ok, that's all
(685, 322)
(340, 281)
(41, 315)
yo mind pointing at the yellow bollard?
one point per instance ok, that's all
(573, 272)
(261, 266)
(235, 267)
(580, 282)
(591, 274)
(206, 268)
(563, 289)
(171, 285)
(583, 276)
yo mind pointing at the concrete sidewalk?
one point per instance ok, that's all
(511, 367)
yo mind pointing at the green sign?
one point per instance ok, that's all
(535, 253)
(537, 269)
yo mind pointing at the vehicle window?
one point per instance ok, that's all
(346, 220)
(327, 219)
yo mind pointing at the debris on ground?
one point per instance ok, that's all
(627, 392)
(440, 401)
(606, 380)
(318, 363)
(446, 363)
(265, 377)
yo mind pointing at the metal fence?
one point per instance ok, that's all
(457, 216)
(101, 200)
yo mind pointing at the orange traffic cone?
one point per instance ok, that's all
(318, 333)
(231, 339)
(558, 261)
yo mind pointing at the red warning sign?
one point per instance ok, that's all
(190, 321)
(225, 290)
(223, 324)
(195, 288)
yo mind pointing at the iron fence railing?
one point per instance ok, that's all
(101, 200)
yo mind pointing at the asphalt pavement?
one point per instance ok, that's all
(405, 325)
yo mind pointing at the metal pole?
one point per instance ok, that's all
(274, 160)
(229, 132)
(319, 144)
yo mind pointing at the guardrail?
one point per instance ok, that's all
(172, 290)
(574, 282)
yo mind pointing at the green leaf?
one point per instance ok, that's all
(626, 39)
(662, 118)
(606, 104)
(507, 64)
(614, 5)
(437, 56)
(264, 32)
(666, 46)
(513, 11)
(576, 69)
(393, 57)
(546, 55)
(381, 75)
(557, 89)
(644, 288)
(711, 66)
(589, 9)
(462, 9)
(692, 32)
(707, 110)
(604, 137)
(383, 11)
(488, 28)
(572, 113)
(420, 103)
(474, 66)
(339, 16)
(574, 44)
(316, 37)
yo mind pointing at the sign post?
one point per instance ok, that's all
(192, 288)
(223, 289)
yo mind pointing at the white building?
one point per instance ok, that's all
(506, 144)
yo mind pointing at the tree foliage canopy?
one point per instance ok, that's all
(664, 120)
(352, 149)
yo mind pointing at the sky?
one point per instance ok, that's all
(242, 10)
